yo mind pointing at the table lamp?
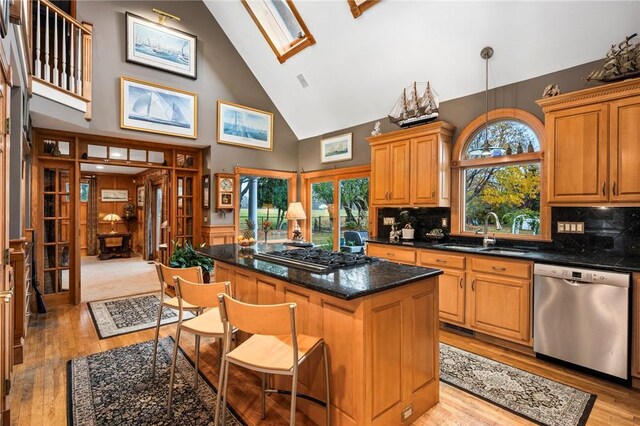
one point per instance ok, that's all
(113, 218)
(295, 212)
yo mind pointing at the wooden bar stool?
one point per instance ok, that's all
(274, 348)
(166, 277)
(207, 324)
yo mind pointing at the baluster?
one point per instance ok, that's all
(79, 59)
(47, 67)
(38, 64)
(72, 75)
(64, 78)
(55, 48)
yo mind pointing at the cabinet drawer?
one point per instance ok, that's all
(507, 268)
(394, 254)
(440, 259)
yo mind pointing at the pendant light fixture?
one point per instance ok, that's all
(487, 149)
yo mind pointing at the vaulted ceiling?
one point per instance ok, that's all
(358, 67)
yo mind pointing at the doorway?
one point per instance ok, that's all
(156, 220)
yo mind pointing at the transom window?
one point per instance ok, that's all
(499, 171)
(281, 25)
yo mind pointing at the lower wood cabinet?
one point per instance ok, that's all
(491, 295)
(635, 364)
(500, 306)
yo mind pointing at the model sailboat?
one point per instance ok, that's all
(418, 104)
(621, 61)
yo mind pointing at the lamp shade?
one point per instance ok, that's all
(111, 217)
(295, 212)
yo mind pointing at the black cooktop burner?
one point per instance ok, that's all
(316, 260)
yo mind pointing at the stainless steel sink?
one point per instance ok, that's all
(502, 250)
(458, 246)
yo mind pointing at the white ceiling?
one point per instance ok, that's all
(108, 168)
(358, 67)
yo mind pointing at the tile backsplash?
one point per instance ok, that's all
(611, 231)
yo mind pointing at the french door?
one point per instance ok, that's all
(335, 204)
(57, 260)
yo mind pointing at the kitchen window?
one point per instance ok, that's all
(499, 169)
(281, 25)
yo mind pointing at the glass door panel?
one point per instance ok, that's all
(322, 208)
(184, 209)
(354, 213)
(57, 246)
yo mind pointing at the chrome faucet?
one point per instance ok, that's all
(490, 241)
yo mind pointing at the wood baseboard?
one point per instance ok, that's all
(635, 382)
(527, 350)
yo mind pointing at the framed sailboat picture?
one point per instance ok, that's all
(244, 126)
(154, 108)
(337, 148)
(158, 46)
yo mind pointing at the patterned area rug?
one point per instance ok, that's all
(535, 398)
(115, 388)
(128, 314)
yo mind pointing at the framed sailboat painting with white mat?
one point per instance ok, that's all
(153, 108)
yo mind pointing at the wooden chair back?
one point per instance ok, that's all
(202, 295)
(271, 320)
(166, 275)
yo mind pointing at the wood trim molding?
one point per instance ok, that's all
(441, 127)
(357, 10)
(336, 172)
(603, 93)
(459, 165)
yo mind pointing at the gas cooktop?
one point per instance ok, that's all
(315, 260)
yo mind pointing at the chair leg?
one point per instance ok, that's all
(294, 395)
(224, 391)
(173, 371)
(219, 395)
(155, 344)
(220, 349)
(326, 382)
(262, 389)
(195, 384)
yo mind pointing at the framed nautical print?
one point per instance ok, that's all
(244, 126)
(337, 148)
(140, 195)
(114, 195)
(153, 108)
(157, 46)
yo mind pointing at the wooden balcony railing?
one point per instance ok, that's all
(62, 52)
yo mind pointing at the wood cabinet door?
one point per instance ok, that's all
(578, 155)
(399, 164)
(624, 140)
(501, 307)
(380, 176)
(424, 170)
(635, 327)
(405, 256)
(451, 287)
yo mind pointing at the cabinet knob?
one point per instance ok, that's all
(604, 187)
(499, 268)
(461, 282)
(441, 261)
(473, 285)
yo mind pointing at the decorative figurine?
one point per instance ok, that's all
(376, 129)
(551, 90)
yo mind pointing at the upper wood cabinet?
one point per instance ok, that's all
(593, 145)
(411, 167)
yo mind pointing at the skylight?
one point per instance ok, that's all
(281, 25)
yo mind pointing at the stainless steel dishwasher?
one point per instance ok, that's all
(582, 316)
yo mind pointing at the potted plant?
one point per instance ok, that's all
(186, 257)
(406, 223)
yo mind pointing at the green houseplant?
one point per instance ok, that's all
(186, 257)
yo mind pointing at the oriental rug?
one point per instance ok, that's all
(115, 388)
(129, 314)
(535, 398)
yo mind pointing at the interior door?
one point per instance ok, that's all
(6, 290)
(156, 220)
(57, 246)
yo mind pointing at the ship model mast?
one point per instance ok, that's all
(416, 107)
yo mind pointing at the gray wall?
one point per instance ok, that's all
(459, 112)
(222, 74)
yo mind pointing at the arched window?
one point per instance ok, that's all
(498, 168)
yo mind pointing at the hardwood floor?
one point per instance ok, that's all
(39, 391)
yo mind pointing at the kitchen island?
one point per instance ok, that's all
(380, 322)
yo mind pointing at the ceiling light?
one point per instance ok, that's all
(100, 167)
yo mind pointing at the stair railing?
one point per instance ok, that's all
(62, 51)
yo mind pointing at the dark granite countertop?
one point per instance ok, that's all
(589, 260)
(345, 283)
